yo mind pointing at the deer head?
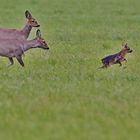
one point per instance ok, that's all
(41, 41)
(126, 49)
(31, 21)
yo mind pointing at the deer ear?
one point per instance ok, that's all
(38, 33)
(126, 45)
(28, 14)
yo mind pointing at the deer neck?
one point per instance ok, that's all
(122, 53)
(26, 30)
(30, 44)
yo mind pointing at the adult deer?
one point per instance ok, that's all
(15, 48)
(20, 34)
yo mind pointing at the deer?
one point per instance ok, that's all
(117, 58)
(20, 34)
(15, 48)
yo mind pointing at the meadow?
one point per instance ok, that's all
(61, 94)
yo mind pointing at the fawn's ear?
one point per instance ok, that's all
(38, 33)
(28, 14)
(126, 45)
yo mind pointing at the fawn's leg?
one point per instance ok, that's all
(125, 60)
(11, 61)
(19, 58)
(120, 63)
(106, 65)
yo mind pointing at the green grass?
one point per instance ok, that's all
(61, 94)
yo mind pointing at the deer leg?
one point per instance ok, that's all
(19, 59)
(11, 61)
(125, 60)
(106, 65)
(120, 63)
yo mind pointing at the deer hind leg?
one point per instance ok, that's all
(19, 59)
(106, 65)
(11, 61)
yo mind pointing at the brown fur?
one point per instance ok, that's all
(117, 58)
(15, 48)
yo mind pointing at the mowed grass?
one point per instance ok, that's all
(61, 94)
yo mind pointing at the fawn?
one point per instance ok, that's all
(15, 48)
(116, 58)
(20, 34)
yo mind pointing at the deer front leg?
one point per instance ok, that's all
(120, 63)
(19, 59)
(11, 61)
(125, 60)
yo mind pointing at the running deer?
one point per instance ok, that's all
(20, 34)
(116, 58)
(15, 48)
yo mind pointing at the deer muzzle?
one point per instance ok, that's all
(130, 51)
(37, 25)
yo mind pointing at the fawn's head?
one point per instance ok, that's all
(42, 43)
(31, 21)
(126, 49)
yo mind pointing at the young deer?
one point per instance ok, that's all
(16, 48)
(116, 58)
(20, 34)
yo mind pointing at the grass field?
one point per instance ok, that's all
(61, 94)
